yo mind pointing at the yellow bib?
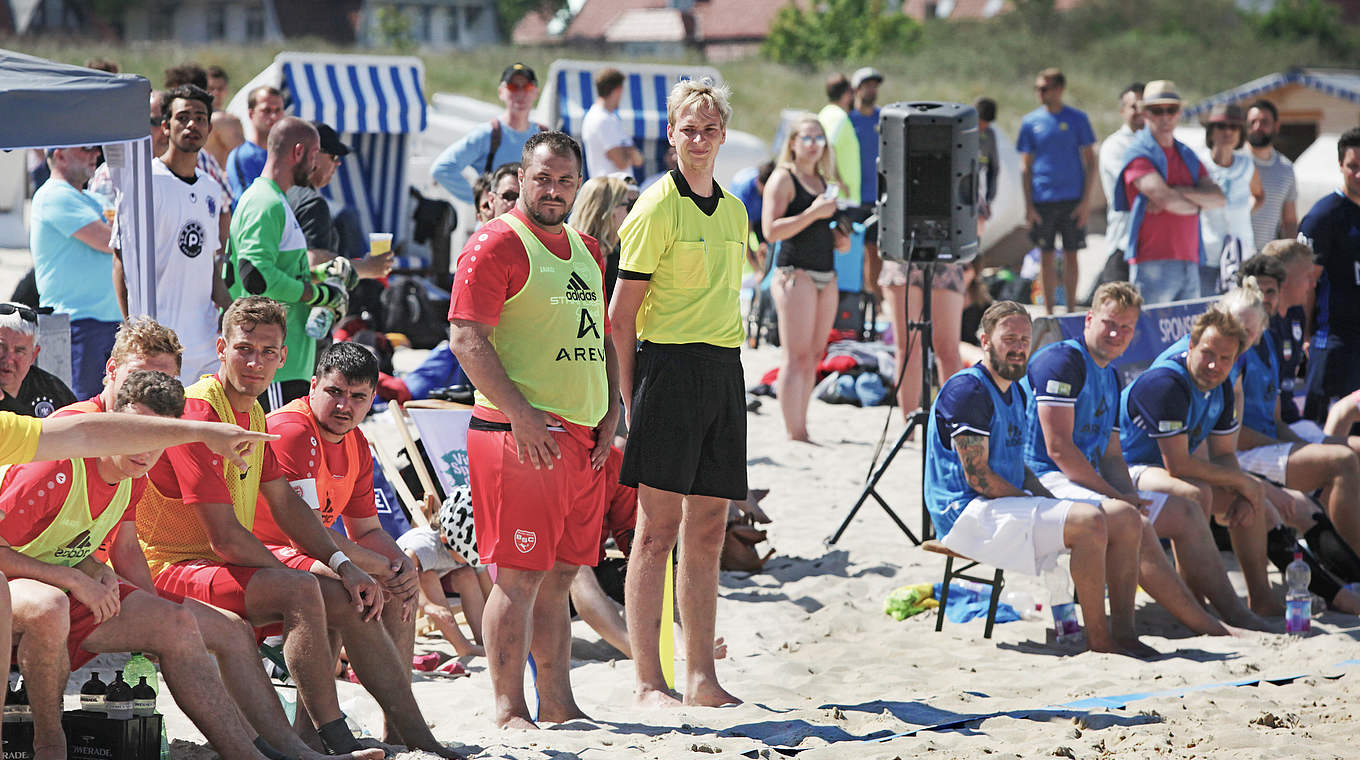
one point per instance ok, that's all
(171, 533)
(74, 534)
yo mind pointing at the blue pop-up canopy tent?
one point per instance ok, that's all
(58, 105)
(376, 103)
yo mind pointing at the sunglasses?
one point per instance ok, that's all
(525, 87)
(1162, 110)
(812, 140)
(1223, 126)
(509, 196)
(25, 313)
(1043, 87)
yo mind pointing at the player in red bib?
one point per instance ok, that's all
(55, 514)
(326, 459)
(529, 328)
(144, 344)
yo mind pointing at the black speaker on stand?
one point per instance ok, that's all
(927, 213)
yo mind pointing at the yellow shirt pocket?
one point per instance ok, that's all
(733, 260)
(688, 266)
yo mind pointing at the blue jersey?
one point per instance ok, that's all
(1332, 229)
(1164, 401)
(1064, 374)
(971, 403)
(1260, 385)
(1056, 141)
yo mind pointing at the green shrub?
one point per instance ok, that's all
(838, 30)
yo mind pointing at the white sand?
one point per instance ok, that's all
(821, 666)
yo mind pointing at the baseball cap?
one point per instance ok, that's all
(522, 70)
(330, 141)
(865, 74)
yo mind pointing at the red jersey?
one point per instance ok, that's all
(1164, 236)
(95, 404)
(338, 482)
(193, 472)
(494, 266)
(31, 496)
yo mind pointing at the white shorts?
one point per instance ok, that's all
(429, 550)
(1308, 430)
(1269, 461)
(1019, 533)
(1058, 485)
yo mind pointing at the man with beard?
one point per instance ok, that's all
(187, 213)
(987, 505)
(1277, 216)
(268, 253)
(73, 262)
(529, 327)
(1073, 447)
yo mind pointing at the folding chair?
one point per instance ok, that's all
(950, 573)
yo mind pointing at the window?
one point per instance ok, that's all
(217, 21)
(254, 22)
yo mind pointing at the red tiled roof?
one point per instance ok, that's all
(716, 20)
(596, 16)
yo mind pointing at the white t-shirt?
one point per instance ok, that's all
(186, 219)
(601, 131)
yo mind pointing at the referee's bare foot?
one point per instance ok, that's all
(656, 698)
(560, 714)
(516, 721)
(703, 692)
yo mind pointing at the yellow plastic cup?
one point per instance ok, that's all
(379, 243)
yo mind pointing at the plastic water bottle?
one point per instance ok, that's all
(319, 322)
(118, 700)
(92, 694)
(1024, 605)
(1298, 602)
(1061, 602)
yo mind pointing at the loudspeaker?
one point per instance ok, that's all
(927, 182)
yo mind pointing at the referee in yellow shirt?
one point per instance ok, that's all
(682, 249)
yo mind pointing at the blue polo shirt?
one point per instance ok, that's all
(1055, 140)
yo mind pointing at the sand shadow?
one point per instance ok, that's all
(787, 569)
(805, 603)
(1047, 649)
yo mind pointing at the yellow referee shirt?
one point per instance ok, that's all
(18, 438)
(693, 260)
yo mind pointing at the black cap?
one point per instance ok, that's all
(521, 69)
(330, 141)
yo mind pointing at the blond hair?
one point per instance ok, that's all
(826, 163)
(594, 212)
(1245, 299)
(1122, 294)
(703, 93)
(144, 337)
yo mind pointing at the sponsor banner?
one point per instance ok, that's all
(443, 432)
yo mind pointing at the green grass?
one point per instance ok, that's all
(1204, 46)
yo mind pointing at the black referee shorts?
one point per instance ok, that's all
(689, 421)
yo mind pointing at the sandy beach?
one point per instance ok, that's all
(825, 674)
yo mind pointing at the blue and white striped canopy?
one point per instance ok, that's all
(643, 104)
(376, 103)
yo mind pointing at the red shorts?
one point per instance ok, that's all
(293, 557)
(215, 583)
(82, 625)
(528, 519)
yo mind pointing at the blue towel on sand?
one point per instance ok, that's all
(966, 604)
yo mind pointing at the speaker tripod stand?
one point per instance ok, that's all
(917, 419)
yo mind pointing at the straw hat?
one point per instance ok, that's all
(1159, 93)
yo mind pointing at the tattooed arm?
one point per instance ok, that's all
(972, 451)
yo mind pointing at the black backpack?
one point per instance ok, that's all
(417, 309)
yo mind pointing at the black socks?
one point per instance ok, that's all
(338, 739)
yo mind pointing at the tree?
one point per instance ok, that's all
(509, 12)
(838, 30)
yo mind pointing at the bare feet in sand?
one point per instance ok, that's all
(704, 692)
(656, 698)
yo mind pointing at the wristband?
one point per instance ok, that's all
(337, 559)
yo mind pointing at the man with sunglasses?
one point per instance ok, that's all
(499, 141)
(29, 390)
(1163, 185)
(73, 262)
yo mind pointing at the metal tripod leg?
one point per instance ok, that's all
(917, 419)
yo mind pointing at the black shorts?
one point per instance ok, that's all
(1056, 219)
(689, 421)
